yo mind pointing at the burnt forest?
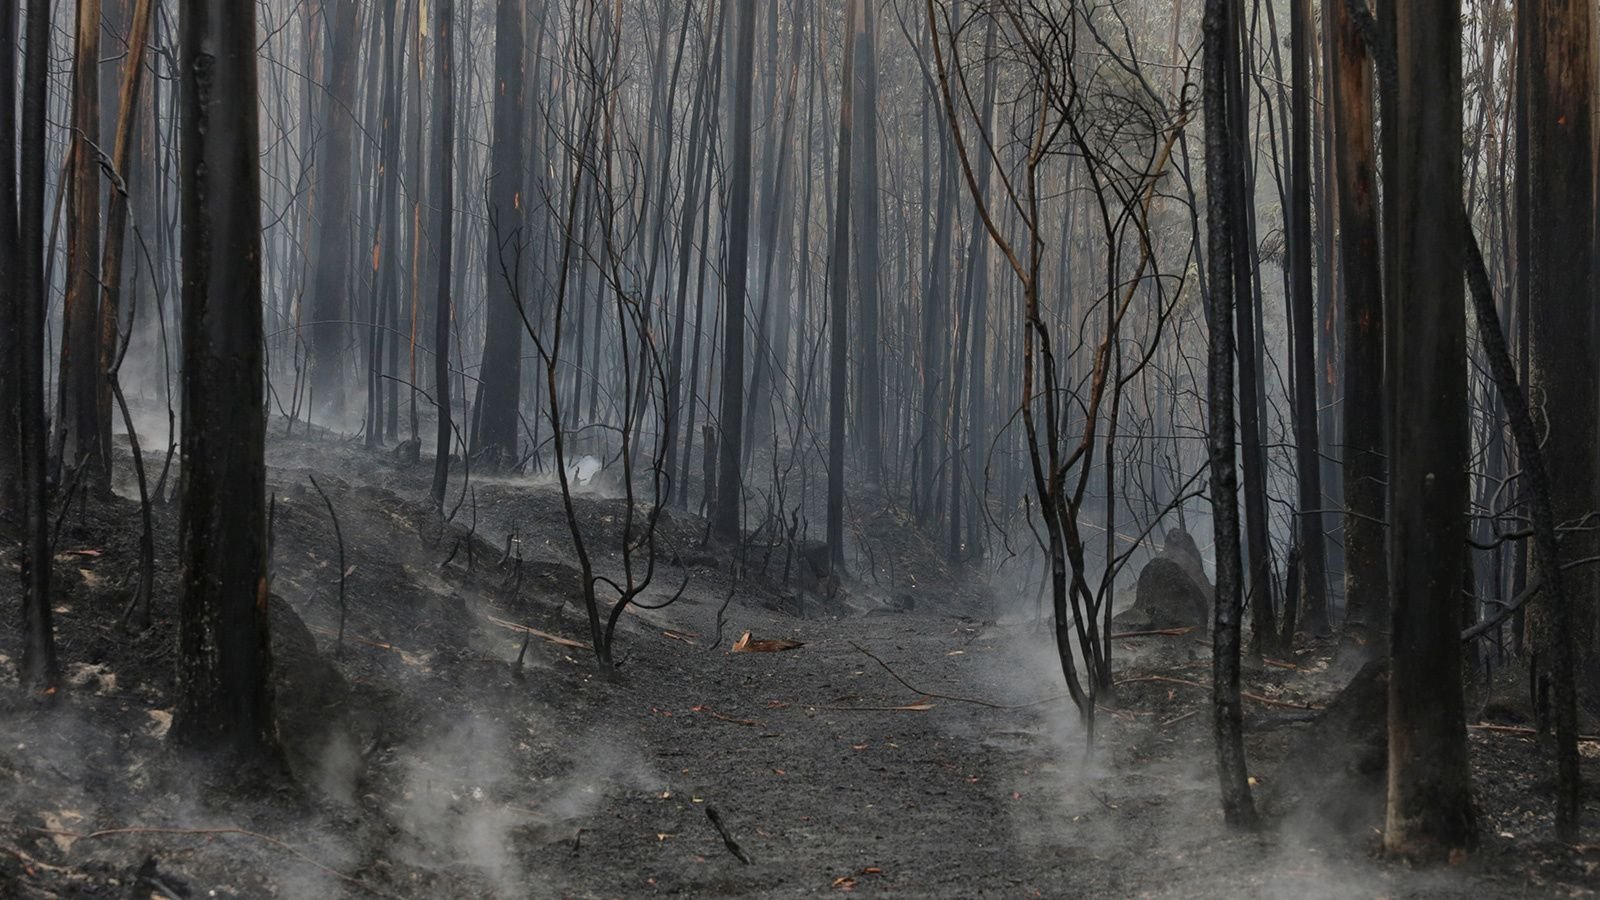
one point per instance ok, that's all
(799, 448)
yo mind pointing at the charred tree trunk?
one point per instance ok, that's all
(1366, 573)
(335, 247)
(1562, 349)
(1258, 545)
(1430, 812)
(38, 670)
(1221, 173)
(839, 293)
(725, 524)
(864, 172)
(495, 433)
(225, 660)
(12, 297)
(1313, 556)
(79, 426)
(444, 149)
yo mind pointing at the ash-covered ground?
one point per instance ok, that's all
(918, 749)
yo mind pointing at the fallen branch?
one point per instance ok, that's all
(727, 839)
(338, 647)
(954, 699)
(552, 638)
(1155, 632)
(912, 707)
(212, 832)
(1267, 701)
(1530, 732)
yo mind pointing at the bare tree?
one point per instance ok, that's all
(1430, 813)
(225, 660)
(39, 672)
(1222, 169)
(726, 516)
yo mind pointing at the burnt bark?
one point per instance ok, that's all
(225, 659)
(1429, 810)
(1227, 714)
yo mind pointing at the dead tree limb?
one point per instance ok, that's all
(338, 535)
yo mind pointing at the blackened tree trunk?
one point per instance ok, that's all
(1237, 806)
(1258, 546)
(335, 248)
(386, 237)
(79, 425)
(1313, 556)
(495, 431)
(12, 297)
(839, 293)
(444, 150)
(864, 172)
(38, 649)
(1562, 349)
(1429, 799)
(725, 518)
(1366, 569)
(225, 658)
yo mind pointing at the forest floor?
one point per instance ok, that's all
(921, 753)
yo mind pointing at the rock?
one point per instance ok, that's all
(1181, 549)
(1167, 598)
(408, 452)
(816, 567)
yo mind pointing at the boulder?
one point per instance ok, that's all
(1181, 549)
(1168, 597)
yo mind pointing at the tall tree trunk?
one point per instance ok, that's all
(225, 660)
(385, 234)
(1366, 572)
(1562, 350)
(1308, 463)
(496, 423)
(79, 425)
(38, 669)
(12, 298)
(335, 248)
(864, 172)
(1258, 544)
(839, 293)
(123, 163)
(725, 524)
(444, 150)
(1429, 799)
(1221, 172)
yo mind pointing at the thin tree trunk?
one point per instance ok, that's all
(38, 669)
(444, 90)
(1313, 558)
(1237, 806)
(725, 524)
(839, 294)
(79, 425)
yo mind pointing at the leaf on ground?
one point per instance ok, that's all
(748, 644)
(845, 883)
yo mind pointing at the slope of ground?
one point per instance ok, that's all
(920, 754)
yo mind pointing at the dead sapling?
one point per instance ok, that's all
(338, 536)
